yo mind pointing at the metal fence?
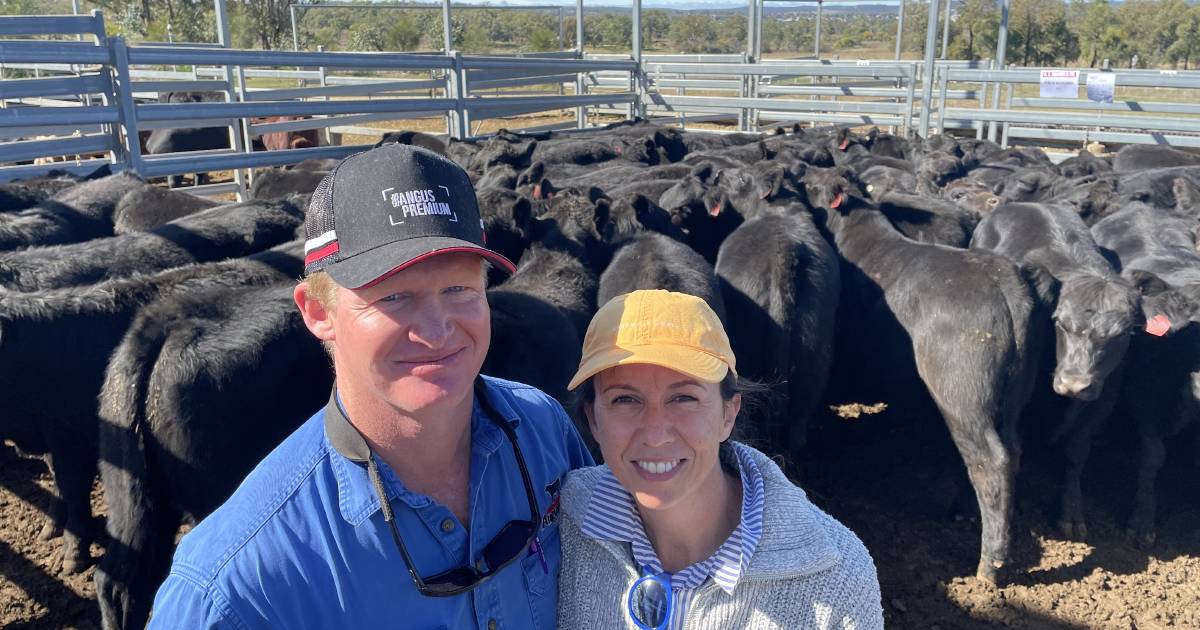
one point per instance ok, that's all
(418, 85)
(89, 98)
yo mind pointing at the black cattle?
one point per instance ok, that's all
(1138, 157)
(1092, 311)
(279, 183)
(533, 342)
(702, 210)
(78, 213)
(502, 148)
(223, 232)
(928, 219)
(148, 207)
(559, 278)
(23, 193)
(781, 282)
(1161, 387)
(499, 176)
(70, 333)
(1154, 186)
(888, 145)
(415, 138)
(656, 261)
(188, 139)
(955, 323)
(506, 217)
(1085, 163)
(972, 196)
(200, 389)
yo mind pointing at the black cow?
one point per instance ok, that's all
(1092, 311)
(188, 139)
(928, 219)
(200, 389)
(222, 232)
(655, 261)
(149, 207)
(278, 183)
(71, 333)
(781, 282)
(78, 213)
(21, 194)
(1161, 387)
(955, 323)
(1137, 157)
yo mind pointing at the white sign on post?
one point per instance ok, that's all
(1101, 86)
(1059, 84)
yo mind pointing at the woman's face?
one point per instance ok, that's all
(659, 431)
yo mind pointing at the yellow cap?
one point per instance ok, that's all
(672, 330)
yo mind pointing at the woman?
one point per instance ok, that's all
(681, 528)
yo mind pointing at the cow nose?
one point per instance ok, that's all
(1074, 386)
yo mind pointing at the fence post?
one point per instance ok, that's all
(458, 127)
(123, 93)
(941, 128)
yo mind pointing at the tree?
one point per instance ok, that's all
(692, 33)
(978, 22)
(543, 39)
(403, 34)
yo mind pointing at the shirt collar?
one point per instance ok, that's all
(356, 496)
(612, 515)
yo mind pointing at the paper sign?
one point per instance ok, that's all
(1158, 325)
(1100, 86)
(1059, 84)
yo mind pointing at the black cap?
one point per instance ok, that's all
(384, 209)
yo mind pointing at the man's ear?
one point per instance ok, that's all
(317, 318)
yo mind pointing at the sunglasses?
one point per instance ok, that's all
(650, 600)
(508, 546)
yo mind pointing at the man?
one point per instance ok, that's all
(470, 466)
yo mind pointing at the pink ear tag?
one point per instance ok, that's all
(1158, 325)
(715, 210)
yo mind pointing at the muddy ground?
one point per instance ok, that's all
(891, 481)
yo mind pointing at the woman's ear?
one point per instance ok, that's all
(732, 407)
(590, 414)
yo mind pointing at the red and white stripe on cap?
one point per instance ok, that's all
(317, 248)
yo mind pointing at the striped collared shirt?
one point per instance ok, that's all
(612, 515)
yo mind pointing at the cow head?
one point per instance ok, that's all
(569, 222)
(832, 189)
(1094, 320)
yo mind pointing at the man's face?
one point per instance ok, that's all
(416, 340)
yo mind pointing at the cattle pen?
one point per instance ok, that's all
(909, 253)
(94, 97)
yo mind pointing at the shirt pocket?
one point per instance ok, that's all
(542, 582)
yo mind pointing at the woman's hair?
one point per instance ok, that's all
(755, 396)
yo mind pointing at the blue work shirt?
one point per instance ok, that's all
(302, 543)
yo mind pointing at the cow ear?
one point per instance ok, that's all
(1044, 285)
(595, 194)
(522, 211)
(778, 131)
(1187, 197)
(702, 171)
(602, 215)
(1147, 283)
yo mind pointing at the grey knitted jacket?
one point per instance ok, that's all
(808, 571)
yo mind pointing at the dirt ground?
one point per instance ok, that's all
(892, 482)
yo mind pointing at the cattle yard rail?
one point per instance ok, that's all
(92, 98)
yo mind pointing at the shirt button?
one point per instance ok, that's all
(448, 525)
(491, 624)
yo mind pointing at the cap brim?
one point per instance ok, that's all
(692, 362)
(376, 265)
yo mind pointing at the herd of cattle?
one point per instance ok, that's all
(150, 336)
